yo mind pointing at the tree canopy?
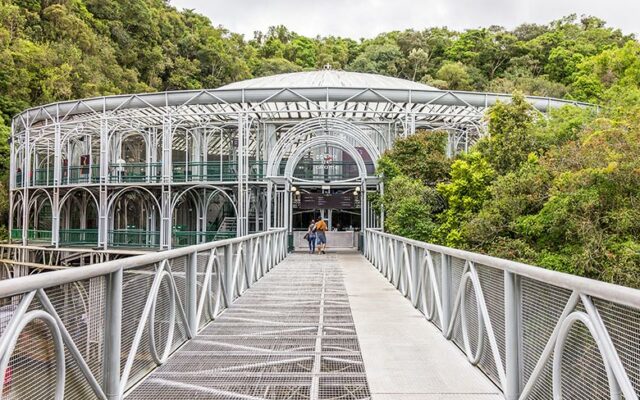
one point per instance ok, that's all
(559, 191)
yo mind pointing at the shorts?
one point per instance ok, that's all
(321, 238)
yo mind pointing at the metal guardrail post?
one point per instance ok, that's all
(112, 336)
(445, 276)
(414, 259)
(228, 272)
(513, 343)
(192, 293)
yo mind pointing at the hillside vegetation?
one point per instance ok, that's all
(561, 192)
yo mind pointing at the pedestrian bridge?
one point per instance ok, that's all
(242, 319)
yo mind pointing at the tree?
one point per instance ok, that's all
(511, 136)
(455, 76)
(409, 207)
(421, 156)
(378, 59)
(273, 66)
(464, 195)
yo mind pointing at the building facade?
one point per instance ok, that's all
(161, 170)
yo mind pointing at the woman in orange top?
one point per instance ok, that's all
(321, 238)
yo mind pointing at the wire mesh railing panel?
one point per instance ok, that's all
(201, 276)
(179, 273)
(583, 370)
(437, 277)
(456, 267)
(623, 324)
(136, 289)
(492, 285)
(542, 306)
(31, 370)
(81, 310)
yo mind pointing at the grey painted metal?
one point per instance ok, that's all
(162, 334)
(113, 342)
(512, 303)
(192, 293)
(500, 344)
(288, 94)
(327, 78)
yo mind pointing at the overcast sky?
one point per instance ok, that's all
(366, 18)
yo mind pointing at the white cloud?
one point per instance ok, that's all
(367, 18)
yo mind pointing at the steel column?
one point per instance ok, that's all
(513, 343)
(112, 335)
(192, 293)
(445, 285)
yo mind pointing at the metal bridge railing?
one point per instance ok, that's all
(536, 333)
(94, 331)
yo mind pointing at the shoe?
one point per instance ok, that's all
(323, 252)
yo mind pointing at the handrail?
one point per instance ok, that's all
(137, 311)
(43, 281)
(604, 290)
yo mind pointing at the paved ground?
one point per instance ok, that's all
(293, 336)
(405, 356)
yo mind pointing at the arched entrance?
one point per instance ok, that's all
(322, 167)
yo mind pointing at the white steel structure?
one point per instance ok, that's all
(161, 170)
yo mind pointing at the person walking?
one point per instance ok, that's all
(311, 236)
(321, 238)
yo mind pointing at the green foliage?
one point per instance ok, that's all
(410, 206)
(453, 76)
(378, 59)
(510, 139)
(273, 66)
(421, 156)
(464, 195)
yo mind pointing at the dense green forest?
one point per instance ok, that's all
(561, 192)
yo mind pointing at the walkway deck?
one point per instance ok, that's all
(293, 336)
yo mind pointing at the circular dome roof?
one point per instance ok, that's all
(328, 78)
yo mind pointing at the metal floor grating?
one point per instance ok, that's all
(291, 336)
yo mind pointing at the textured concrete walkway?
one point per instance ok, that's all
(405, 356)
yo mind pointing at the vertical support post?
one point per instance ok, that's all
(414, 256)
(192, 293)
(228, 272)
(55, 206)
(445, 290)
(103, 221)
(112, 340)
(512, 315)
(12, 178)
(167, 177)
(26, 182)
